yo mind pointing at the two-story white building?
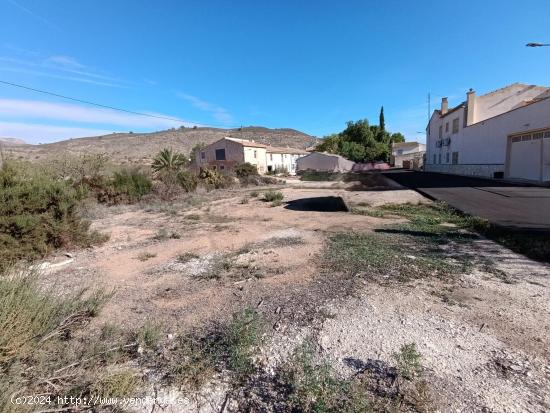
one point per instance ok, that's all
(502, 134)
(224, 154)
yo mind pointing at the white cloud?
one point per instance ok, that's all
(219, 113)
(59, 67)
(37, 109)
(40, 133)
(65, 61)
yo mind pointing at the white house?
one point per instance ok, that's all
(504, 133)
(407, 154)
(283, 159)
(224, 154)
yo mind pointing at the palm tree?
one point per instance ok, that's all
(168, 161)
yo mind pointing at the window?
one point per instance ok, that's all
(455, 125)
(455, 158)
(255, 154)
(516, 139)
(214, 167)
(537, 135)
(447, 127)
(399, 152)
(447, 157)
(546, 134)
(526, 138)
(222, 167)
(439, 158)
(440, 131)
(203, 155)
(270, 156)
(435, 160)
(220, 154)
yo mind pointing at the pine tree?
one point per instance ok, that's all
(382, 122)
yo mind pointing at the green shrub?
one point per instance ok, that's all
(245, 169)
(187, 180)
(38, 214)
(132, 182)
(271, 196)
(150, 334)
(408, 361)
(213, 179)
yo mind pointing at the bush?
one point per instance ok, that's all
(36, 345)
(131, 182)
(245, 169)
(271, 196)
(30, 316)
(213, 179)
(37, 215)
(187, 180)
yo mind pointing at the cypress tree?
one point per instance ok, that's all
(382, 123)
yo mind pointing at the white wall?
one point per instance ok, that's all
(485, 143)
(282, 160)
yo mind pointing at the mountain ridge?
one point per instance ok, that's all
(141, 147)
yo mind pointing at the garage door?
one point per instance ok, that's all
(525, 156)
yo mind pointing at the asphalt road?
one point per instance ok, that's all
(507, 204)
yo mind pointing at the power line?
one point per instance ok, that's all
(87, 102)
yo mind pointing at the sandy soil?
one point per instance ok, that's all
(485, 342)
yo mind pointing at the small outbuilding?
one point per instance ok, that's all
(326, 162)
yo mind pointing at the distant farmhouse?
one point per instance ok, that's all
(505, 133)
(224, 154)
(407, 155)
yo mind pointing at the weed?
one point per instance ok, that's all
(29, 316)
(186, 257)
(163, 234)
(198, 357)
(36, 345)
(118, 384)
(276, 203)
(149, 335)
(144, 256)
(243, 339)
(408, 361)
(244, 200)
(315, 388)
(195, 362)
(254, 194)
(271, 196)
(387, 256)
(193, 217)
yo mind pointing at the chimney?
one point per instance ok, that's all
(470, 107)
(444, 106)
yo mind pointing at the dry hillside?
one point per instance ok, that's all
(140, 147)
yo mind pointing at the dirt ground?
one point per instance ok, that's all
(485, 341)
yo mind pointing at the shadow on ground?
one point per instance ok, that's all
(318, 204)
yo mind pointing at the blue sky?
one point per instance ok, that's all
(306, 65)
